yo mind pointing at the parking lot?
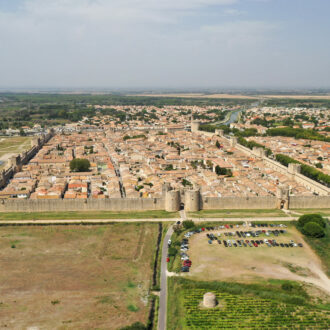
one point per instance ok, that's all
(246, 253)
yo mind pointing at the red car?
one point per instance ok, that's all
(167, 259)
(227, 226)
(203, 229)
(255, 244)
(187, 263)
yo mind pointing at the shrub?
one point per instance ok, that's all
(313, 229)
(306, 218)
(79, 165)
(187, 224)
(135, 326)
(172, 251)
(287, 286)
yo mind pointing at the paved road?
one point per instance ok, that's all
(97, 221)
(162, 314)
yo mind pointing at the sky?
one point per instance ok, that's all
(175, 44)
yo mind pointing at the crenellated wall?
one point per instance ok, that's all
(57, 205)
(232, 202)
(15, 162)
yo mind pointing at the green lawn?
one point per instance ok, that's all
(323, 212)
(158, 214)
(236, 213)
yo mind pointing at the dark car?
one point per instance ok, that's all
(219, 241)
(185, 269)
(286, 245)
(225, 243)
(300, 245)
(281, 245)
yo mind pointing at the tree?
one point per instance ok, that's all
(220, 170)
(306, 218)
(187, 224)
(22, 132)
(217, 144)
(318, 165)
(79, 165)
(313, 229)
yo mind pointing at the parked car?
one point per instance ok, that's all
(184, 269)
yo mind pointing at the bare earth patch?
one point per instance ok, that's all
(247, 264)
(75, 277)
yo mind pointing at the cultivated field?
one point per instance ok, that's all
(10, 146)
(250, 264)
(76, 277)
(272, 305)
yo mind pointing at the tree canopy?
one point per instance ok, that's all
(79, 165)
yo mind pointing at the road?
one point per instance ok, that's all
(104, 221)
(162, 314)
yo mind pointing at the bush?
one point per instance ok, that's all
(287, 286)
(135, 326)
(172, 251)
(187, 224)
(313, 229)
(306, 218)
(79, 165)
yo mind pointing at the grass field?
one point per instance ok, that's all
(323, 212)
(12, 145)
(243, 306)
(236, 213)
(76, 277)
(158, 214)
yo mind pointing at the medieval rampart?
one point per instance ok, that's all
(111, 204)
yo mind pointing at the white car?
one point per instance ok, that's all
(169, 242)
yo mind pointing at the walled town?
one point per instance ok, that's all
(135, 157)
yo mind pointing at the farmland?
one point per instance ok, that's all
(243, 306)
(71, 277)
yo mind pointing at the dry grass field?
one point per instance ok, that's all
(10, 146)
(75, 277)
(249, 264)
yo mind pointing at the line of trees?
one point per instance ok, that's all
(306, 170)
(298, 133)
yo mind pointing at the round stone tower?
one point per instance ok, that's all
(195, 126)
(172, 201)
(192, 200)
(209, 300)
(233, 141)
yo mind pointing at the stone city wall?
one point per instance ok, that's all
(216, 203)
(309, 202)
(111, 204)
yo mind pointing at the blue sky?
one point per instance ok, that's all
(164, 43)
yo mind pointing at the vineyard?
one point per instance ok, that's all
(236, 312)
(273, 305)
